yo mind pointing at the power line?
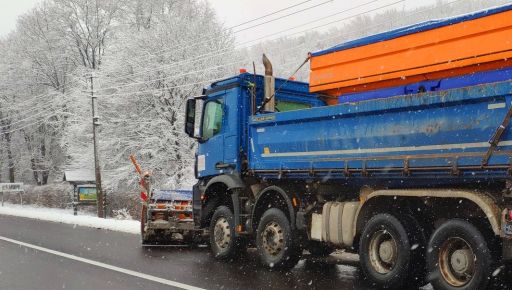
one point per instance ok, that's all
(270, 14)
(284, 16)
(36, 107)
(181, 46)
(48, 109)
(293, 48)
(174, 77)
(375, 25)
(30, 124)
(209, 55)
(47, 94)
(171, 87)
(227, 50)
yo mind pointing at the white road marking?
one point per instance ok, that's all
(103, 265)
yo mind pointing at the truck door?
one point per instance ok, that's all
(210, 157)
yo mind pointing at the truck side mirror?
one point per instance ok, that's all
(190, 118)
(193, 104)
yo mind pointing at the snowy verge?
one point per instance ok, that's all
(66, 216)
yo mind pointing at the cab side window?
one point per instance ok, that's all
(212, 120)
(285, 106)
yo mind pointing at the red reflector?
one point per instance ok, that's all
(143, 196)
(292, 78)
(243, 70)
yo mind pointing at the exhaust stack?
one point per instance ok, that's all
(269, 86)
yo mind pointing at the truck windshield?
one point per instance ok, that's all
(284, 106)
(212, 121)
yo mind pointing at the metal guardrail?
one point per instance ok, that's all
(12, 187)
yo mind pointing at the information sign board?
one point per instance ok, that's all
(86, 193)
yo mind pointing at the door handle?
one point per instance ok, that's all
(222, 165)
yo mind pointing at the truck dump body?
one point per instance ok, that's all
(441, 134)
(426, 51)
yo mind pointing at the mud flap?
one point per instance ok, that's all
(507, 250)
(196, 204)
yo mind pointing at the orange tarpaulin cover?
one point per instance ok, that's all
(478, 44)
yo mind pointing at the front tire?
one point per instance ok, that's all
(223, 243)
(458, 257)
(390, 252)
(278, 246)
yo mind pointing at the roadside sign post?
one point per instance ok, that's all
(84, 187)
(85, 194)
(11, 187)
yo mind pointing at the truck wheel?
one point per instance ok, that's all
(458, 257)
(319, 249)
(223, 243)
(387, 255)
(278, 247)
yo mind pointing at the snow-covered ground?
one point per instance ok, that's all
(66, 216)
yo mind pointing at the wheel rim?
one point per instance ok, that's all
(273, 238)
(457, 262)
(383, 252)
(222, 233)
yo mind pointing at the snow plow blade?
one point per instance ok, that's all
(167, 219)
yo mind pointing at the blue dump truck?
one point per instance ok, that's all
(415, 178)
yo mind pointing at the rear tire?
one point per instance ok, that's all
(223, 243)
(278, 246)
(389, 251)
(458, 257)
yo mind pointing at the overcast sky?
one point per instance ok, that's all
(233, 12)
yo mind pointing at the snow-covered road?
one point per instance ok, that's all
(66, 216)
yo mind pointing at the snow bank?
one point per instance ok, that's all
(67, 217)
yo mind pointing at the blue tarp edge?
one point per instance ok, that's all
(416, 28)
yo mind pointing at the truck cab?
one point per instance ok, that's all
(219, 119)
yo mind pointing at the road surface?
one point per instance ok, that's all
(23, 267)
(44, 255)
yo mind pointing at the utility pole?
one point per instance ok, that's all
(100, 200)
